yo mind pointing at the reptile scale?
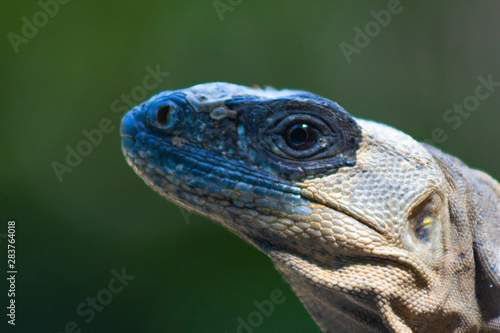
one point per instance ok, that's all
(374, 231)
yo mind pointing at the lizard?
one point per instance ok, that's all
(374, 231)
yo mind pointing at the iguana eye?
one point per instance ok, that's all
(297, 136)
(300, 136)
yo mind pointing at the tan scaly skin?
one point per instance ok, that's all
(374, 231)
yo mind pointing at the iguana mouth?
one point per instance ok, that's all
(344, 209)
(171, 178)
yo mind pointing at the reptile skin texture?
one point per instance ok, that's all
(374, 231)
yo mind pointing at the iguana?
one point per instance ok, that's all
(374, 231)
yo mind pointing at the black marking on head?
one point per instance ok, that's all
(298, 136)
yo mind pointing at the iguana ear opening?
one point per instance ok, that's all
(483, 200)
(482, 197)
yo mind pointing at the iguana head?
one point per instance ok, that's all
(363, 221)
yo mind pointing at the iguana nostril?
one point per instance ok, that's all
(162, 115)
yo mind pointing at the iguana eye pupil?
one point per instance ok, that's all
(300, 136)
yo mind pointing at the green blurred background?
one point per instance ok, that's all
(190, 274)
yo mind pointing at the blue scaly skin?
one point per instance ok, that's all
(360, 218)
